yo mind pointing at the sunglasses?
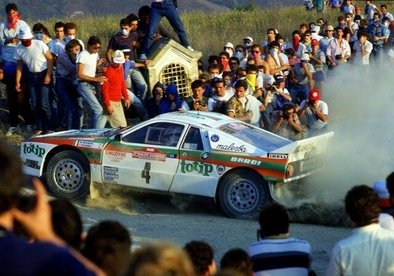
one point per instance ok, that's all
(97, 48)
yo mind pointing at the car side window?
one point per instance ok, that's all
(193, 140)
(163, 134)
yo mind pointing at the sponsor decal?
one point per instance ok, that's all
(32, 164)
(278, 155)
(220, 169)
(33, 149)
(110, 174)
(246, 161)
(88, 144)
(200, 168)
(115, 156)
(204, 155)
(149, 154)
(232, 147)
(215, 138)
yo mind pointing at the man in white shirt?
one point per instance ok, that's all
(369, 250)
(38, 59)
(362, 50)
(88, 83)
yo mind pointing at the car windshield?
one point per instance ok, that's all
(254, 136)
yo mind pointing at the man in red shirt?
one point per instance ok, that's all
(114, 89)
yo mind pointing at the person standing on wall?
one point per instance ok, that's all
(160, 9)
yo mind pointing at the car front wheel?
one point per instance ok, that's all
(242, 194)
(67, 175)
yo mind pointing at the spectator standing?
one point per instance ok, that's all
(378, 35)
(275, 62)
(160, 9)
(39, 61)
(87, 62)
(325, 41)
(18, 101)
(127, 38)
(66, 89)
(348, 7)
(301, 80)
(299, 48)
(353, 29)
(316, 112)
(257, 53)
(362, 50)
(369, 250)
(114, 90)
(338, 50)
(276, 252)
(385, 13)
(369, 10)
(318, 60)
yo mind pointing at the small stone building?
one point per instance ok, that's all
(170, 62)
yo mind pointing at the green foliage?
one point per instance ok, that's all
(209, 31)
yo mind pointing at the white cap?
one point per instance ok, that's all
(269, 79)
(25, 33)
(248, 38)
(118, 57)
(228, 45)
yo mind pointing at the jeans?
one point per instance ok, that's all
(299, 92)
(18, 102)
(138, 105)
(138, 80)
(157, 12)
(40, 99)
(89, 93)
(71, 101)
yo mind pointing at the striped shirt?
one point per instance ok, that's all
(280, 256)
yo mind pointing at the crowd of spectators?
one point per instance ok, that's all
(278, 85)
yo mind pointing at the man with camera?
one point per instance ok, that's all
(315, 111)
(197, 101)
(287, 123)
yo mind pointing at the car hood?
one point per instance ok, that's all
(80, 133)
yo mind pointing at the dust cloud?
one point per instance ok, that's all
(361, 113)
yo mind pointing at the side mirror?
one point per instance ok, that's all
(118, 137)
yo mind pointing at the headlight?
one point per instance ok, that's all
(289, 171)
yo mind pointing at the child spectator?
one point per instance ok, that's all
(114, 89)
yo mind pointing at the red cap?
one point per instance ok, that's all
(314, 94)
(315, 42)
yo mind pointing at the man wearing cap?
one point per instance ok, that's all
(229, 48)
(160, 9)
(36, 56)
(318, 60)
(316, 112)
(247, 43)
(329, 35)
(114, 89)
(125, 40)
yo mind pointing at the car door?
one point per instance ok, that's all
(197, 172)
(146, 157)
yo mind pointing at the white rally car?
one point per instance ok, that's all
(205, 154)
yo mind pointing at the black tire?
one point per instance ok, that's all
(242, 194)
(68, 175)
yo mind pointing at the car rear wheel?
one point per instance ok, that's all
(67, 175)
(242, 194)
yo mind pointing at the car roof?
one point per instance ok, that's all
(206, 119)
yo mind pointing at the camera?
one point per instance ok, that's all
(338, 56)
(286, 115)
(311, 103)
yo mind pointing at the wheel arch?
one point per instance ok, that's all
(58, 149)
(221, 179)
